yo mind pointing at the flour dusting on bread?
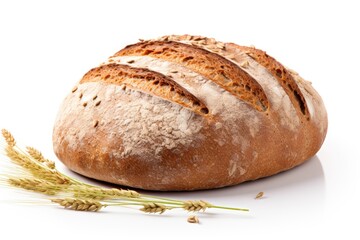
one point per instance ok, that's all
(187, 112)
(146, 124)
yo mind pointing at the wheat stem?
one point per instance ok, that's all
(230, 208)
(161, 198)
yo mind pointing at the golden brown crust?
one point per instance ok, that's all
(138, 137)
(216, 68)
(147, 81)
(281, 74)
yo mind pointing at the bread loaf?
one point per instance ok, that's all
(187, 113)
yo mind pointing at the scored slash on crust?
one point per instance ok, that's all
(147, 81)
(280, 73)
(218, 65)
(213, 66)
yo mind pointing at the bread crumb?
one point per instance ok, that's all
(193, 219)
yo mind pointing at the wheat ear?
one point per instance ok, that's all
(35, 185)
(81, 191)
(10, 140)
(37, 155)
(195, 206)
(36, 169)
(153, 208)
(79, 204)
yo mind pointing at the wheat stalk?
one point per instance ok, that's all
(79, 204)
(36, 168)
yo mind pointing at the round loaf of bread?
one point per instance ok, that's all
(187, 113)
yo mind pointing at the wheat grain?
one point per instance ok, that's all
(153, 208)
(259, 195)
(195, 206)
(79, 204)
(193, 219)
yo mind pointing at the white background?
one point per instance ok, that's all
(46, 47)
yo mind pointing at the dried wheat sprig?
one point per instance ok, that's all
(77, 191)
(10, 140)
(35, 168)
(154, 208)
(79, 204)
(35, 185)
(37, 155)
